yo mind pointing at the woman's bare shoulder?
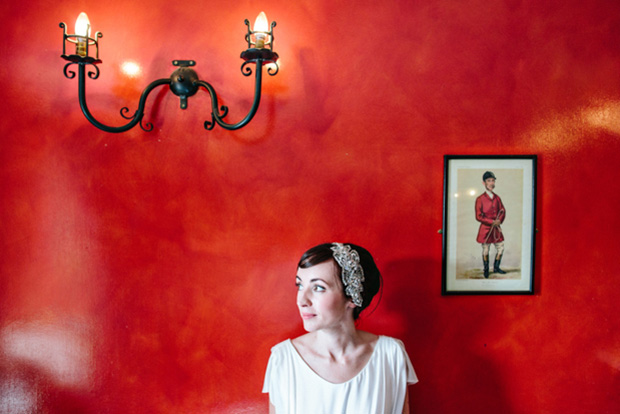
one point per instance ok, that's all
(303, 341)
(368, 338)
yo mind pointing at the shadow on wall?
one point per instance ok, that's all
(456, 373)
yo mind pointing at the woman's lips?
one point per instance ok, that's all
(307, 315)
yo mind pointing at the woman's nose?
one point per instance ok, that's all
(302, 298)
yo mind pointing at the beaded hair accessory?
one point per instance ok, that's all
(352, 272)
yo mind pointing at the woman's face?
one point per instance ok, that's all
(320, 297)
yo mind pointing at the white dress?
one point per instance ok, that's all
(379, 388)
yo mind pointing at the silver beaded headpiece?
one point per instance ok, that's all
(352, 272)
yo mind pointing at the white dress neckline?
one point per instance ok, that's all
(307, 367)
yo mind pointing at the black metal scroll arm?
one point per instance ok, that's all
(183, 82)
(260, 57)
(134, 120)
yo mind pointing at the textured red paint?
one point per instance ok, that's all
(152, 272)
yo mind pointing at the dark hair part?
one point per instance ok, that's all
(373, 281)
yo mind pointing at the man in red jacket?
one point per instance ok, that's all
(490, 212)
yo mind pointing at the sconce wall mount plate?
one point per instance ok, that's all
(184, 81)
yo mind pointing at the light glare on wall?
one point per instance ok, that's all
(131, 69)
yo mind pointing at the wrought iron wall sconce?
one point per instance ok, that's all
(184, 81)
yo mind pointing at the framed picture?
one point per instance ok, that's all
(489, 224)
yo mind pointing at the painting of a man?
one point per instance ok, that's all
(491, 213)
(503, 227)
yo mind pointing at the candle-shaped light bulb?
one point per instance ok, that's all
(82, 30)
(261, 27)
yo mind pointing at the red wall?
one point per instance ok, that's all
(152, 272)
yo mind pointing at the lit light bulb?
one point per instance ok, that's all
(82, 30)
(261, 27)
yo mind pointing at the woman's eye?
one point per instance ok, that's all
(298, 285)
(318, 288)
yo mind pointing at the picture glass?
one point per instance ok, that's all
(489, 204)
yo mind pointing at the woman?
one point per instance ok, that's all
(336, 368)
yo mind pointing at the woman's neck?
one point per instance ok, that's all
(339, 342)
